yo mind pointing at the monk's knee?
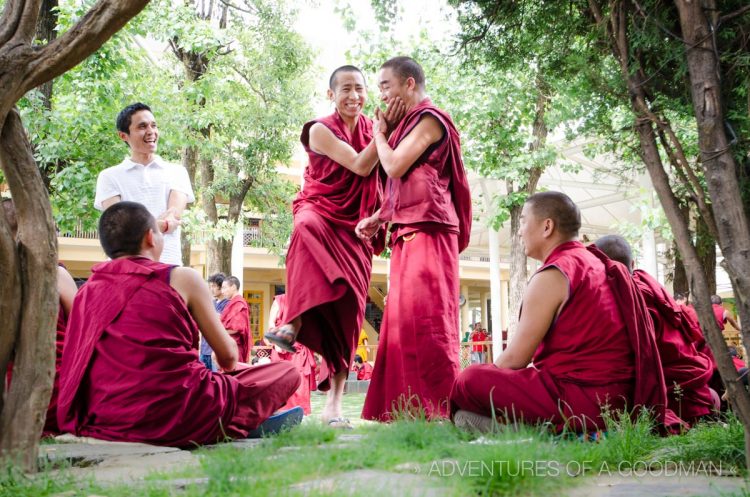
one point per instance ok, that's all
(290, 379)
(465, 383)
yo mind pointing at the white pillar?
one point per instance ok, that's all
(504, 305)
(483, 305)
(238, 253)
(497, 335)
(464, 313)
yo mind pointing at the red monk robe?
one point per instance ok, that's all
(328, 266)
(684, 367)
(236, 316)
(303, 359)
(582, 363)
(50, 422)
(429, 208)
(130, 369)
(365, 372)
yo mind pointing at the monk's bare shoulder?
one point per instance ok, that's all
(186, 281)
(548, 289)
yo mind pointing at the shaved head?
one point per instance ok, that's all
(122, 228)
(559, 208)
(617, 249)
(332, 80)
(405, 68)
(715, 299)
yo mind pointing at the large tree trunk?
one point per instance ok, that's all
(705, 244)
(23, 67)
(190, 162)
(645, 120)
(22, 417)
(699, 28)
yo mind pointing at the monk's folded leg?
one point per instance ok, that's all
(262, 391)
(529, 396)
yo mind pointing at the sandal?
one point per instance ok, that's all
(283, 337)
(340, 423)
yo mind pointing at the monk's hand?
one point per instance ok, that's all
(367, 227)
(394, 111)
(379, 123)
(168, 222)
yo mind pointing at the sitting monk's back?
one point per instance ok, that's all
(132, 333)
(588, 341)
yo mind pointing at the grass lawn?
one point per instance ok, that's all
(526, 461)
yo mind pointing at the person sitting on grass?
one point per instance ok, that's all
(583, 327)
(130, 369)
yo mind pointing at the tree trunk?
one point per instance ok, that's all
(45, 30)
(10, 298)
(23, 414)
(679, 276)
(704, 67)
(189, 161)
(705, 244)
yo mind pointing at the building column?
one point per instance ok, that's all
(495, 291)
(483, 296)
(464, 318)
(238, 254)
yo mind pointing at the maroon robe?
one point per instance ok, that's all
(50, 422)
(719, 312)
(328, 266)
(582, 363)
(130, 369)
(676, 335)
(236, 316)
(429, 208)
(365, 372)
(303, 359)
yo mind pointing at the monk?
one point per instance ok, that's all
(328, 267)
(721, 314)
(303, 359)
(236, 316)
(687, 372)
(579, 364)
(428, 205)
(66, 288)
(130, 369)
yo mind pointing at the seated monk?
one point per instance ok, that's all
(687, 372)
(66, 288)
(130, 369)
(582, 326)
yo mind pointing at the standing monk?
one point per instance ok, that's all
(428, 204)
(579, 363)
(130, 369)
(328, 266)
(687, 372)
(236, 316)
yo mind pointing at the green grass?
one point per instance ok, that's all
(522, 461)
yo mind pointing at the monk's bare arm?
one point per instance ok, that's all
(731, 321)
(397, 162)
(67, 289)
(194, 290)
(110, 201)
(324, 142)
(545, 294)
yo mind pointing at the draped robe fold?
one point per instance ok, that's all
(328, 266)
(130, 369)
(429, 209)
(236, 316)
(582, 364)
(687, 372)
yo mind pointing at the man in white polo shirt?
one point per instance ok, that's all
(146, 178)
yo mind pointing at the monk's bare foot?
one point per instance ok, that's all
(331, 414)
(284, 336)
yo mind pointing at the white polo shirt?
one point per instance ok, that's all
(148, 185)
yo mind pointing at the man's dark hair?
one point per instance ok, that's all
(347, 68)
(617, 248)
(124, 118)
(234, 281)
(217, 279)
(358, 359)
(406, 67)
(9, 210)
(715, 299)
(558, 207)
(122, 227)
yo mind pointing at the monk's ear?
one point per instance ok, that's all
(148, 239)
(330, 94)
(549, 227)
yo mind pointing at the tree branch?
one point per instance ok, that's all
(91, 32)
(736, 13)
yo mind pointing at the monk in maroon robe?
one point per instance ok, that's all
(579, 364)
(236, 316)
(328, 267)
(303, 359)
(687, 372)
(428, 204)
(66, 288)
(130, 369)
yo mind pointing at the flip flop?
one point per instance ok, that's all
(279, 337)
(277, 422)
(340, 423)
